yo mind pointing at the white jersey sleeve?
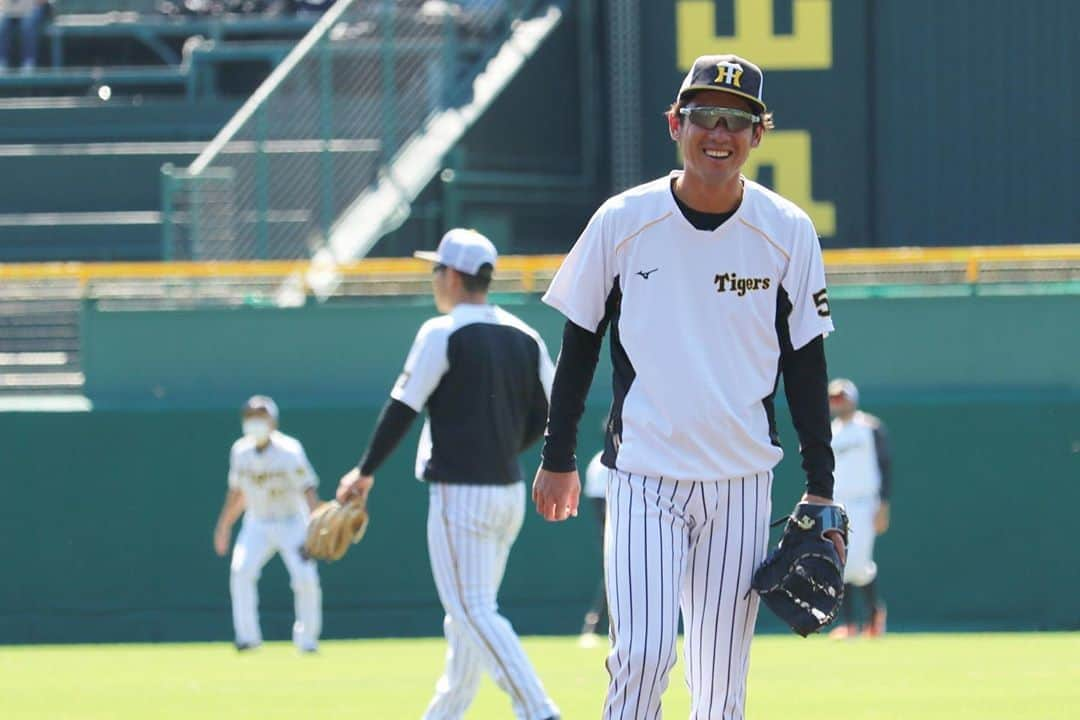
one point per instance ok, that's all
(596, 475)
(305, 473)
(234, 476)
(547, 369)
(424, 367)
(804, 281)
(581, 287)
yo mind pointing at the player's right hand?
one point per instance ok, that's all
(556, 494)
(354, 485)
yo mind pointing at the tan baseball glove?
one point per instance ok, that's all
(333, 527)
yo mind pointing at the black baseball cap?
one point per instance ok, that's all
(727, 73)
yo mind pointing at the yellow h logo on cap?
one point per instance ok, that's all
(729, 73)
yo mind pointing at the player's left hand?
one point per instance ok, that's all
(834, 535)
(354, 485)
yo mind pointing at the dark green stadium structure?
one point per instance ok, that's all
(897, 131)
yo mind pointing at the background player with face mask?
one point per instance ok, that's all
(273, 485)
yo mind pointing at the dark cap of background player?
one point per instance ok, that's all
(726, 73)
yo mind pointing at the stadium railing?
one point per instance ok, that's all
(326, 125)
(877, 267)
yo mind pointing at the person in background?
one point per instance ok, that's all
(273, 486)
(596, 479)
(863, 483)
(483, 376)
(30, 16)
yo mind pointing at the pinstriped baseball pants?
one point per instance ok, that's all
(674, 544)
(470, 531)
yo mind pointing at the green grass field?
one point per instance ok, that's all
(1029, 676)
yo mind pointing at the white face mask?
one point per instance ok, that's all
(257, 429)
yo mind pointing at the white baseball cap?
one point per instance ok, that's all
(843, 386)
(261, 402)
(462, 249)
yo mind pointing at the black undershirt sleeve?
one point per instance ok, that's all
(393, 423)
(537, 417)
(884, 458)
(574, 372)
(806, 387)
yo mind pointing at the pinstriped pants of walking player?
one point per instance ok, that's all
(470, 531)
(694, 545)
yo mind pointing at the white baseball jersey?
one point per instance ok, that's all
(858, 472)
(596, 478)
(516, 360)
(274, 480)
(706, 413)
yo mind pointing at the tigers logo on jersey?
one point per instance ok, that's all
(730, 282)
(261, 478)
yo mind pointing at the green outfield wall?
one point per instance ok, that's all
(107, 517)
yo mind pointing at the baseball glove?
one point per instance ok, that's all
(802, 580)
(333, 527)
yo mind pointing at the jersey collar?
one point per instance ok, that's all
(670, 196)
(471, 310)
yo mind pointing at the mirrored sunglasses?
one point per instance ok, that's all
(733, 119)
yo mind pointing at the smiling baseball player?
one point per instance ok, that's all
(273, 485)
(712, 287)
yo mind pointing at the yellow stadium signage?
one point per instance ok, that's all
(809, 47)
(789, 154)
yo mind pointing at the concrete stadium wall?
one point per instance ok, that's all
(108, 514)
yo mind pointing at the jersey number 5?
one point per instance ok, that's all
(821, 300)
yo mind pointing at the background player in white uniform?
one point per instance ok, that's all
(596, 478)
(863, 485)
(483, 376)
(273, 485)
(712, 286)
